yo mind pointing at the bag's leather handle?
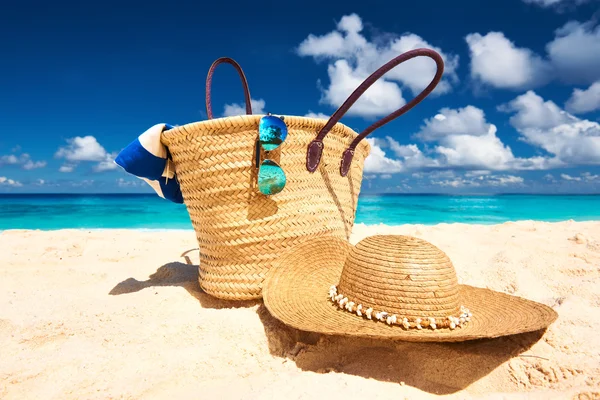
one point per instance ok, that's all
(211, 71)
(315, 148)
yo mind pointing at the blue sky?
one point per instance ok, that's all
(518, 109)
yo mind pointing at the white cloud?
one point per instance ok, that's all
(570, 140)
(382, 98)
(127, 183)
(551, 3)
(9, 160)
(497, 61)
(311, 114)
(23, 160)
(584, 101)
(378, 162)
(474, 151)
(4, 181)
(504, 180)
(534, 112)
(570, 178)
(588, 176)
(231, 110)
(573, 56)
(575, 52)
(456, 139)
(83, 183)
(352, 57)
(462, 139)
(482, 180)
(584, 177)
(30, 164)
(463, 121)
(67, 168)
(85, 149)
(471, 174)
(466, 140)
(412, 156)
(549, 178)
(435, 174)
(107, 164)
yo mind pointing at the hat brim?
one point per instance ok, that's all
(296, 290)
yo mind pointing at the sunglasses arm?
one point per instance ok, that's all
(257, 153)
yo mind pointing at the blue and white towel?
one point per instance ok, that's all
(148, 159)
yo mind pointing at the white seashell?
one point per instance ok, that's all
(358, 310)
(394, 319)
(405, 323)
(452, 325)
(462, 320)
(388, 320)
(343, 301)
(350, 306)
(339, 297)
(433, 326)
(419, 326)
(382, 316)
(369, 312)
(431, 320)
(418, 321)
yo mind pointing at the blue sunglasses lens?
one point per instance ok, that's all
(271, 178)
(272, 131)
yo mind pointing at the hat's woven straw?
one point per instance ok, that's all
(403, 276)
(241, 232)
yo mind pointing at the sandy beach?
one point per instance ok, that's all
(119, 314)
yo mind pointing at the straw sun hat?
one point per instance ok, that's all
(396, 287)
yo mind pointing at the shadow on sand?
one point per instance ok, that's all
(439, 368)
(180, 274)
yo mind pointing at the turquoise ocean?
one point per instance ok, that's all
(148, 211)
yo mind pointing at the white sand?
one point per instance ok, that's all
(119, 314)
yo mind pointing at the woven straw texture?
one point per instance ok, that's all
(241, 232)
(403, 275)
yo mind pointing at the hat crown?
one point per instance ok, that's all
(402, 275)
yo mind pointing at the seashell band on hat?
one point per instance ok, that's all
(400, 280)
(450, 321)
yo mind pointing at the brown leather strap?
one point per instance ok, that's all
(209, 83)
(315, 148)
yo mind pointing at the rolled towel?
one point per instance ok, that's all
(148, 159)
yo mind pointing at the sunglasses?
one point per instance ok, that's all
(272, 132)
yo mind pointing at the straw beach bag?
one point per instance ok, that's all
(240, 230)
